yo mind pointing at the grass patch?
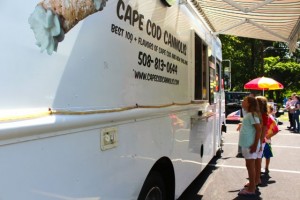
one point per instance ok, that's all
(284, 117)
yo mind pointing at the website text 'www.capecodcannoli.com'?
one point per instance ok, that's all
(155, 78)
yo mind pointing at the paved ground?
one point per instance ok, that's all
(224, 177)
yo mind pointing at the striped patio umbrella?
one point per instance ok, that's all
(263, 83)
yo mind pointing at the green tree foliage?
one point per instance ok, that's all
(251, 58)
(246, 59)
(286, 72)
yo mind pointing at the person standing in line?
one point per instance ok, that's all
(263, 109)
(296, 114)
(284, 101)
(287, 107)
(239, 126)
(291, 112)
(272, 129)
(250, 133)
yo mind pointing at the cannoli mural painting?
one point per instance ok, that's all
(52, 19)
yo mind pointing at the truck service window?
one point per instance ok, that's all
(200, 69)
(213, 81)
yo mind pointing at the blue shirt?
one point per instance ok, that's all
(248, 131)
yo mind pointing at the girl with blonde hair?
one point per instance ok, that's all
(250, 133)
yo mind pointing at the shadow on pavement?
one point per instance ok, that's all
(265, 180)
(247, 198)
(191, 193)
(240, 197)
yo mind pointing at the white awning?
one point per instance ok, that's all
(275, 20)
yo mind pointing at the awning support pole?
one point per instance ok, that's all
(267, 30)
(246, 10)
(243, 21)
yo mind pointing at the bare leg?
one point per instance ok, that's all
(250, 164)
(267, 163)
(257, 170)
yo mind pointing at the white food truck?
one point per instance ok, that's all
(110, 100)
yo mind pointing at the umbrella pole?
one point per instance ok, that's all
(263, 92)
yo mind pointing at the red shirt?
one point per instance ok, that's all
(265, 119)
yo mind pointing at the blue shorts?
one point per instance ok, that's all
(268, 151)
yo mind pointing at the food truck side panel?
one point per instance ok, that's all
(112, 105)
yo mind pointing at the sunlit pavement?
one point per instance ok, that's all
(224, 177)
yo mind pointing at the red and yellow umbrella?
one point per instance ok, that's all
(263, 83)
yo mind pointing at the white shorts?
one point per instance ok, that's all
(247, 155)
(260, 153)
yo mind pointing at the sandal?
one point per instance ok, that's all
(245, 192)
